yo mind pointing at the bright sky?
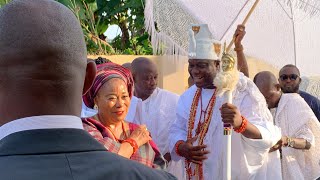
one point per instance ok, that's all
(112, 32)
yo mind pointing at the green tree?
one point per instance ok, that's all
(85, 12)
(3, 2)
(129, 16)
(96, 16)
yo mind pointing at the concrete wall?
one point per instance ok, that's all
(173, 70)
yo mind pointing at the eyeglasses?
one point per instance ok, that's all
(291, 76)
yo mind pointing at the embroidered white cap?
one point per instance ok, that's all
(201, 43)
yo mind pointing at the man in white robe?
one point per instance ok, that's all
(156, 109)
(87, 112)
(300, 129)
(249, 154)
(135, 111)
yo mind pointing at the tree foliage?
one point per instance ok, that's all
(85, 12)
(129, 16)
(97, 15)
(3, 2)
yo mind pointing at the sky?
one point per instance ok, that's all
(112, 32)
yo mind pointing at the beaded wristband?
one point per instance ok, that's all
(133, 143)
(243, 126)
(177, 147)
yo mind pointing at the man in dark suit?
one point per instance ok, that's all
(43, 73)
(289, 80)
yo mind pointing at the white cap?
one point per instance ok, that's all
(201, 43)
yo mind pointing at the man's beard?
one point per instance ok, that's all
(290, 90)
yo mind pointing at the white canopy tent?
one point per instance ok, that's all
(279, 31)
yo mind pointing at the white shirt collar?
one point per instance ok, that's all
(40, 122)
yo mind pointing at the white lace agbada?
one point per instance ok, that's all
(158, 112)
(250, 157)
(296, 119)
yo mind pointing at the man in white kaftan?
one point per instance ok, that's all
(135, 111)
(158, 113)
(249, 156)
(157, 109)
(87, 112)
(297, 120)
(299, 126)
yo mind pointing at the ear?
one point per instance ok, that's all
(95, 101)
(90, 76)
(190, 75)
(299, 80)
(134, 78)
(278, 87)
(217, 64)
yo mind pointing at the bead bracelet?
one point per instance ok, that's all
(243, 126)
(177, 147)
(133, 143)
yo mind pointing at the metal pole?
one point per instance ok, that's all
(294, 34)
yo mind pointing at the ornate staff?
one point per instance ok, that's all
(226, 81)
